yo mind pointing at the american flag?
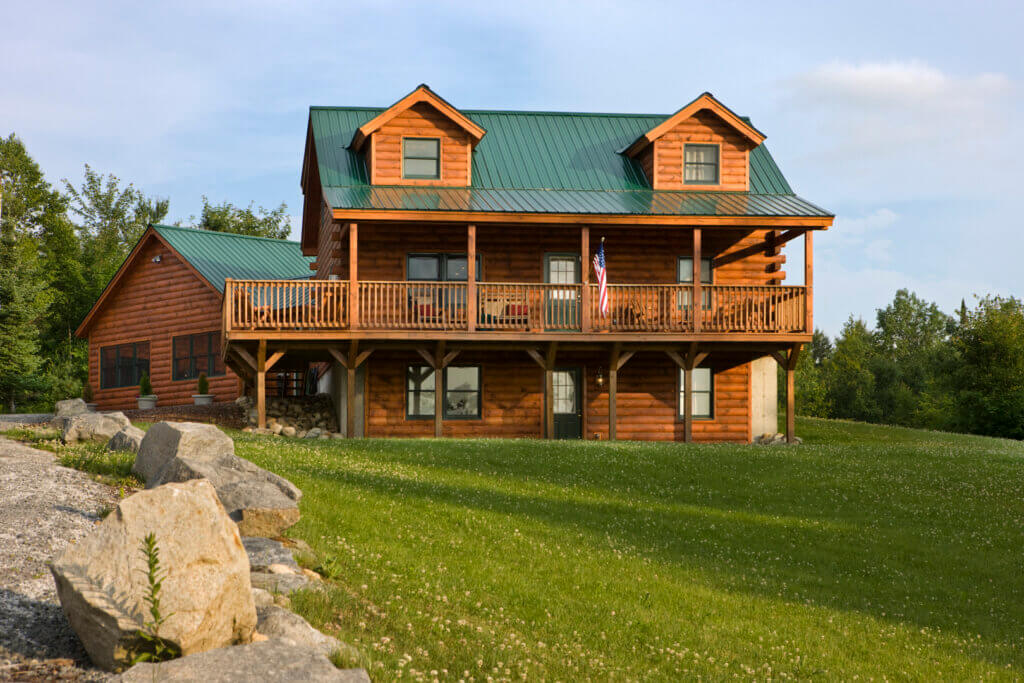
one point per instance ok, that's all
(602, 279)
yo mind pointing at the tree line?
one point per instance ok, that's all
(58, 249)
(920, 367)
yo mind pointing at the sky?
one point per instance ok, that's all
(899, 117)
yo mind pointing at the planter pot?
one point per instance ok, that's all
(202, 399)
(147, 402)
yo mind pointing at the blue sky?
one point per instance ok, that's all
(902, 118)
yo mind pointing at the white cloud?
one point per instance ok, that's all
(909, 130)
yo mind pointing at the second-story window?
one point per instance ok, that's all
(700, 164)
(421, 158)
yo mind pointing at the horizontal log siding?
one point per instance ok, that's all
(419, 121)
(155, 302)
(647, 404)
(513, 388)
(327, 261)
(703, 127)
(513, 391)
(516, 254)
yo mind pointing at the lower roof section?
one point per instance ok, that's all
(583, 202)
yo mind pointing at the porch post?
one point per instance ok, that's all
(353, 276)
(809, 280)
(261, 384)
(471, 307)
(613, 388)
(687, 402)
(794, 353)
(585, 276)
(698, 300)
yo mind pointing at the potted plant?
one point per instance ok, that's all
(147, 399)
(204, 397)
(87, 397)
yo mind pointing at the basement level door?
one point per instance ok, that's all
(568, 405)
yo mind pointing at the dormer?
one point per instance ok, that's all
(419, 140)
(703, 146)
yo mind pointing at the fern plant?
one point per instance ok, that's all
(203, 384)
(149, 646)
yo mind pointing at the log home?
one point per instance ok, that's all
(454, 293)
(161, 313)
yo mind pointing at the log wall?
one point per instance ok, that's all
(513, 393)
(704, 127)
(155, 302)
(419, 121)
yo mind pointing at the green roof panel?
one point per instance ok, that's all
(545, 162)
(220, 255)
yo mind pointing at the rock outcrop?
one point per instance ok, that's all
(128, 439)
(278, 623)
(260, 502)
(271, 661)
(91, 426)
(206, 594)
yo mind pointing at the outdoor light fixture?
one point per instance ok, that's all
(600, 377)
(158, 258)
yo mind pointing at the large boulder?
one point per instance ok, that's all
(91, 426)
(128, 439)
(206, 595)
(270, 661)
(264, 552)
(69, 407)
(260, 502)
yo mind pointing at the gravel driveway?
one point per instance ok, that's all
(43, 508)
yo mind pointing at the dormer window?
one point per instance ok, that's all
(421, 158)
(700, 164)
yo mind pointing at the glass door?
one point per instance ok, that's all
(562, 307)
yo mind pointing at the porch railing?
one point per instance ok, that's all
(513, 307)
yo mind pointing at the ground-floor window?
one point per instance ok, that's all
(462, 392)
(195, 354)
(123, 365)
(460, 388)
(703, 393)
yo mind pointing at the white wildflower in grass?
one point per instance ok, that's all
(867, 553)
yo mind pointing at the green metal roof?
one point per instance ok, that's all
(220, 255)
(545, 162)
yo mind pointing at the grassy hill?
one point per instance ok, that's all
(868, 551)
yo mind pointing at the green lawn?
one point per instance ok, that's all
(869, 551)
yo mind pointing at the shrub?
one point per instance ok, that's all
(87, 392)
(204, 384)
(145, 386)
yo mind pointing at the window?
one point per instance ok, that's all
(421, 158)
(703, 393)
(461, 390)
(196, 353)
(123, 365)
(684, 275)
(439, 267)
(700, 164)
(420, 392)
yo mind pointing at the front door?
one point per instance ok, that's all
(567, 403)
(563, 305)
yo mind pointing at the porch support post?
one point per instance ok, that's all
(613, 390)
(698, 299)
(585, 276)
(471, 307)
(549, 390)
(788, 359)
(809, 280)
(353, 276)
(261, 384)
(350, 391)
